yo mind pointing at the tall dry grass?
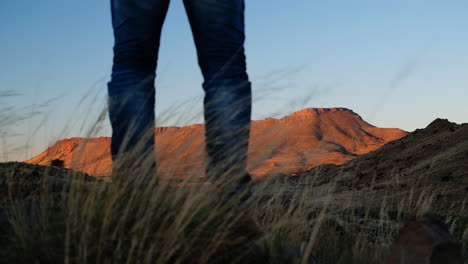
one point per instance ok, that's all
(137, 219)
(83, 221)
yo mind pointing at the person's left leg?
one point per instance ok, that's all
(218, 30)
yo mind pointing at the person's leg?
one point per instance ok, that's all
(218, 30)
(137, 28)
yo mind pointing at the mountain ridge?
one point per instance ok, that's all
(301, 140)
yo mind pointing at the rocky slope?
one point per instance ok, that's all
(300, 141)
(20, 181)
(426, 169)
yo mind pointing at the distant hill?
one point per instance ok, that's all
(426, 167)
(300, 141)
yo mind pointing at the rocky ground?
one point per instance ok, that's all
(24, 181)
(425, 170)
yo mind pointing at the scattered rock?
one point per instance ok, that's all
(425, 241)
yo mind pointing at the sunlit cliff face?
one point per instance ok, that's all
(300, 141)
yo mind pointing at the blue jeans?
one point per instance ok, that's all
(218, 32)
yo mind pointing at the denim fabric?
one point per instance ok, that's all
(218, 32)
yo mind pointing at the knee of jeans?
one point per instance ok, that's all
(135, 54)
(223, 64)
(131, 87)
(134, 68)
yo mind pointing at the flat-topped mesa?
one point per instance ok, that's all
(174, 129)
(317, 111)
(159, 130)
(314, 112)
(66, 147)
(314, 135)
(77, 140)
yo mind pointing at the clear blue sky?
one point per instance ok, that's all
(396, 63)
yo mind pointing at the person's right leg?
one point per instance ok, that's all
(137, 28)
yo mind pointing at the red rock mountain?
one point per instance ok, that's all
(300, 141)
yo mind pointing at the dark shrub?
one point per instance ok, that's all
(57, 163)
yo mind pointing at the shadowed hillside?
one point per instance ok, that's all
(300, 141)
(428, 166)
